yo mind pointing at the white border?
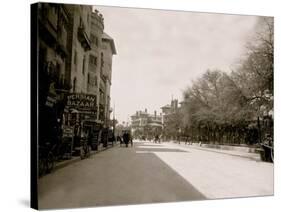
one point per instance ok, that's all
(14, 87)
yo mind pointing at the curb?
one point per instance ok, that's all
(225, 153)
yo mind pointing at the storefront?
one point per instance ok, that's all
(81, 115)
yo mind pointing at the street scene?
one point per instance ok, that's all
(156, 173)
(139, 106)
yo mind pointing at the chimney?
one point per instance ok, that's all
(155, 113)
(145, 110)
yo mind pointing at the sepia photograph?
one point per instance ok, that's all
(140, 106)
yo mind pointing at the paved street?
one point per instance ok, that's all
(151, 173)
(221, 175)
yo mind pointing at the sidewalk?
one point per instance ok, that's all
(238, 151)
(61, 164)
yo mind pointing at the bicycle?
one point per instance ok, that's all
(46, 159)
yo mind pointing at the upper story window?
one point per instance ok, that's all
(74, 85)
(101, 59)
(83, 67)
(88, 78)
(75, 57)
(80, 22)
(53, 15)
(93, 60)
(94, 40)
(96, 81)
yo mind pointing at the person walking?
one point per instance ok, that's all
(156, 139)
(131, 140)
(126, 138)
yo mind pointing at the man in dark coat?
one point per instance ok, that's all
(126, 138)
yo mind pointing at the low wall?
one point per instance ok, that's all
(232, 148)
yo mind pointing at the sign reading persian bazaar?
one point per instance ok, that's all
(84, 102)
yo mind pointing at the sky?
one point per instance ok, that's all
(160, 53)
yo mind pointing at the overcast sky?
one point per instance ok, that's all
(160, 52)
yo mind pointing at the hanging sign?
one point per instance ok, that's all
(82, 102)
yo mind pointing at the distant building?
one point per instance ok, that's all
(171, 120)
(146, 125)
(168, 110)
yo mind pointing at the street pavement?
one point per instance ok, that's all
(154, 173)
(221, 173)
(117, 176)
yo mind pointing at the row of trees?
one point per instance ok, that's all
(232, 107)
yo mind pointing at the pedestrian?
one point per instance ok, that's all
(90, 139)
(156, 139)
(131, 140)
(186, 140)
(77, 135)
(126, 138)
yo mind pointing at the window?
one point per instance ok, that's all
(101, 61)
(94, 39)
(96, 61)
(83, 67)
(93, 60)
(75, 57)
(96, 81)
(81, 22)
(74, 85)
(58, 73)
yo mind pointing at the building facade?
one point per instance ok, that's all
(171, 120)
(53, 31)
(75, 67)
(107, 51)
(145, 125)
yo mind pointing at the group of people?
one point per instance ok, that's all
(93, 137)
(157, 138)
(126, 138)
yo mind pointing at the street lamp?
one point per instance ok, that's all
(179, 134)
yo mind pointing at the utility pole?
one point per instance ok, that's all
(114, 118)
